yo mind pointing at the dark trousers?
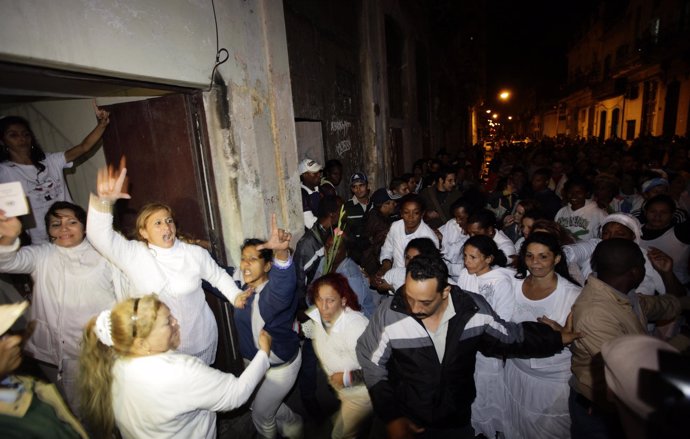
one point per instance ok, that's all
(308, 371)
(589, 422)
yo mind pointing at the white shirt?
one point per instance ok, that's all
(175, 274)
(41, 188)
(555, 306)
(71, 285)
(397, 240)
(454, 238)
(336, 349)
(173, 395)
(584, 223)
(496, 286)
(581, 252)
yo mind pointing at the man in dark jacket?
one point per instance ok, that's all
(439, 197)
(418, 352)
(355, 210)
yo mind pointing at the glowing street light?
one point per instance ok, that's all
(504, 95)
(510, 117)
(488, 111)
(495, 116)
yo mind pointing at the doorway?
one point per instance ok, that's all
(161, 129)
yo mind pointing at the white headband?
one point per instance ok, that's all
(103, 328)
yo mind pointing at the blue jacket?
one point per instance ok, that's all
(277, 307)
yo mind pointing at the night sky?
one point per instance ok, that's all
(527, 43)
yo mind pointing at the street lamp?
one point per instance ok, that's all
(495, 116)
(504, 95)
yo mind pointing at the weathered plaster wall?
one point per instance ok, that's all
(323, 43)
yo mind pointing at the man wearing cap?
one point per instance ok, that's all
(310, 176)
(657, 186)
(608, 308)
(28, 407)
(355, 209)
(376, 225)
(439, 197)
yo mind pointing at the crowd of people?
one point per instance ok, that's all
(449, 303)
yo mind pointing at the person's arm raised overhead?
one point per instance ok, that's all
(92, 138)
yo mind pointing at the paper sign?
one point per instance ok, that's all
(12, 199)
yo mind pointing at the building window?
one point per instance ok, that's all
(629, 130)
(648, 107)
(615, 116)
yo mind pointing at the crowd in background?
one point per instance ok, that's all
(490, 292)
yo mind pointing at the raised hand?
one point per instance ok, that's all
(10, 228)
(111, 183)
(102, 115)
(279, 239)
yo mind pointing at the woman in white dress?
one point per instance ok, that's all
(484, 274)
(537, 389)
(336, 324)
(133, 379)
(159, 262)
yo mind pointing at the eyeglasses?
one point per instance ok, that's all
(134, 318)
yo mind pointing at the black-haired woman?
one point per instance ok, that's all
(537, 389)
(267, 268)
(72, 282)
(40, 173)
(484, 274)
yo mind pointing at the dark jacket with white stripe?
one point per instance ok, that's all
(402, 370)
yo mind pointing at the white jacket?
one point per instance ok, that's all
(71, 285)
(173, 395)
(175, 274)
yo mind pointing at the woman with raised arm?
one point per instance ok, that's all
(40, 174)
(72, 282)
(266, 267)
(133, 379)
(159, 262)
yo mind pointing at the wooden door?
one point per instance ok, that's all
(168, 160)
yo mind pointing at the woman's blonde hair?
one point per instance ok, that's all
(145, 213)
(129, 317)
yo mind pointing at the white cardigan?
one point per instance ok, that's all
(175, 274)
(336, 350)
(173, 395)
(71, 285)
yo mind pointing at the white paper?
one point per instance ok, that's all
(12, 199)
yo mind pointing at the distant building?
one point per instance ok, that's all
(628, 74)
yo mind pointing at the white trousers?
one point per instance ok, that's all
(270, 414)
(355, 410)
